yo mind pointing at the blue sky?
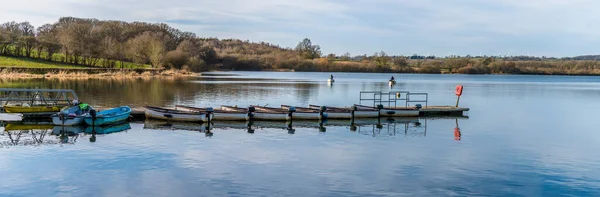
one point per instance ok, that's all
(401, 27)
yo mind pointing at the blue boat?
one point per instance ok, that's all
(108, 129)
(109, 116)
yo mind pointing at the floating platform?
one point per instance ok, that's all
(138, 113)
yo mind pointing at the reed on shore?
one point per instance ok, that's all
(12, 74)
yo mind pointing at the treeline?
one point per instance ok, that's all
(110, 44)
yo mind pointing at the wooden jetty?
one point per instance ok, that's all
(376, 105)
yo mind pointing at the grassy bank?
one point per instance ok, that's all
(12, 74)
(19, 67)
(32, 63)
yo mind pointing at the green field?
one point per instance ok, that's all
(31, 63)
(36, 63)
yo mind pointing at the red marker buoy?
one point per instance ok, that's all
(459, 91)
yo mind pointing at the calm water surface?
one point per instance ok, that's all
(524, 136)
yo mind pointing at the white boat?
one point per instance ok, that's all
(392, 82)
(219, 114)
(72, 115)
(394, 111)
(267, 113)
(346, 113)
(176, 115)
(304, 113)
(330, 80)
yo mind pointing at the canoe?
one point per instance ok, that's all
(346, 113)
(307, 113)
(31, 109)
(219, 114)
(72, 115)
(175, 115)
(109, 116)
(107, 129)
(393, 111)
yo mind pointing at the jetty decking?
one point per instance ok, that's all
(384, 104)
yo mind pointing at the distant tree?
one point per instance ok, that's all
(401, 62)
(308, 50)
(487, 61)
(176, 59)
(381, 59)
(346, 56)
(331, 56)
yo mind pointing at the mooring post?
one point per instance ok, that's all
(209, 111)
(291, 111)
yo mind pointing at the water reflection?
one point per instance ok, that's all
(375, 127)
(44, 133)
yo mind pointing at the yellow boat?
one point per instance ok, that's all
(31, 109)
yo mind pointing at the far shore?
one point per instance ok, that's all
(110, 73)
(89, 73)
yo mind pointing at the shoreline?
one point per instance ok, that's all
(89, 73)
(112, 73)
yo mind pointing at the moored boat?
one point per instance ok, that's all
(307, 113)
(393, 111)
(175, 115)
(109, 116)
(72, 115)
(346, 113)
(334, 113)
(31, 109)
(268, 113)
(220, 114)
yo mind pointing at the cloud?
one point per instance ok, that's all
(537, 27)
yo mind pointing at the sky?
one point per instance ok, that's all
(556, 28)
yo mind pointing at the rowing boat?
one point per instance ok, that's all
(268, 113)
(307, 113)
(109, 116)
(175, 115)
(73, 115)
(219, 114)
(346, 113)
(393, 111)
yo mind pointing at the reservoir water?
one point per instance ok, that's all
(524, 136)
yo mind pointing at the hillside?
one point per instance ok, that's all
(78, 42)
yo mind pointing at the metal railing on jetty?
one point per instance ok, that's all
(393, 98)
(37, 96)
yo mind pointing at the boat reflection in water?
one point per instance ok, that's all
(376, 127)
(45, 133)
(106, 129)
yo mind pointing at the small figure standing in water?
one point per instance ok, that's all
(392, 79)
(331, 77)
